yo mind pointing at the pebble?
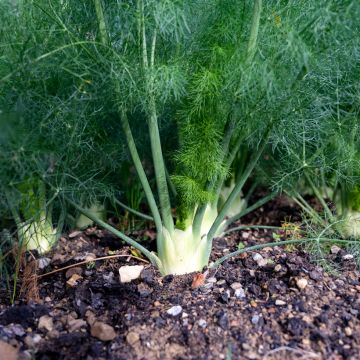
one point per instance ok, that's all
(202, 323)
(8, 352)
(221, 282)
(334, 249)
(245, 235)
(175, 310)
(75, 324)
(74, 234)
(277, 268)
(75, 270)
(236, 285)
(257, 257)
(144, 290)
(43, 263)
(315, 275)
(280, 302)
(255, 319)
(211, 280)
(348, 257)
(128, 273)
(132, 337)
(225, 296)
(240, 293)
(32, 341)
(102, 331)
(348, 331)
(46, 322)
(301, 283)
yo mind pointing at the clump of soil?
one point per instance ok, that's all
(274, 304)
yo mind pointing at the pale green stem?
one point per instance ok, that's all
(133, 211)
(131, 142)
(151, 256)
(249, 227)
(238, 187)
(320, 198)
(101, 22)
(278, 243)
(254, 30)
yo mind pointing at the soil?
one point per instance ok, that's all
(284, 306)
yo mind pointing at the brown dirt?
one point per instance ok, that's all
(270, 318)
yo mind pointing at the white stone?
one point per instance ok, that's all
(128, 273)
(175, 310)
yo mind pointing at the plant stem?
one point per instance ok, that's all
(248, 227)
(320, 198)
(238, 187)
(278, 243)
(151, 256)
(254, 30)
(133, 211)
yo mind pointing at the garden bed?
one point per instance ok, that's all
(284, 308)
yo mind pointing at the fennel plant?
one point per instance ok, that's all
(226, 76)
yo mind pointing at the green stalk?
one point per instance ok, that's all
(278, 243)
(159, 168)
(133, 211)
(141, 172)
(156, 149)
(320, 198)
(129, 137)
(237, 189)
(101, 22)
(251, 208)
(249, 227)
(254, 30)
(151, 256)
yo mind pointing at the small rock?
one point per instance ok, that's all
(8, 352)
(301, 283)
(90, 317)
(90, 257)
(280, 302)
(46, 322)
(109, 278)
(240, 293)
(236, 285)
(348, 257)
(53, 334)
(255, 319)
(48, 299)
(72, 282)
(132, 337)
(223, 321)
(102, 331)
(128, 273)
(16, 329)
(32, 341)
(315, 275)
(175, 310)
(144, 290)
(262, 262)
(202, 323)
(221, 282)
(334, 249)
(75, 270)
(245, 235)
(257, 257)
(348, 331)
(277, 268)
(75, 324)
(74, 234)
(43, 263)
(225, 296)
(184, 315)
(211, 280)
